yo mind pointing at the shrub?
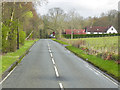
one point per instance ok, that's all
(22, 36)
(5, 42)
(78, 43)
(115, 57)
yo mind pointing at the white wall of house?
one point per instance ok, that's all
(95, 33)
(100, 32)
(111, 30)
(88, 33)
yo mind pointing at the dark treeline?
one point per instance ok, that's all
(106, 19)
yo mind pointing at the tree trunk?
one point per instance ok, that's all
(18, 35)
(71, 33)
(60, 33)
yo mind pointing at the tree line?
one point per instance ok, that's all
(19, 22)
(56, 20)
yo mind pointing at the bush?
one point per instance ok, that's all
(22, 36)
(5, 43)
(115, 57)
(9, 36)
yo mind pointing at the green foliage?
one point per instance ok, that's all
(17, 17)
(31, 36)
(22, 36)
(9, 36)
(5, 43)
(29, 14)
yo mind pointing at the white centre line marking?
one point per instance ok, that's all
(61, 86)
(56, 71)
(51, 55)
(49, 50)
(53, 61)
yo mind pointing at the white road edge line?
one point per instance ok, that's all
(97, 72)
(7, 76)
(53, 61)
(61, 86)
(56, 71)
(104, 76)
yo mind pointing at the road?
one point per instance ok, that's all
(50, 65)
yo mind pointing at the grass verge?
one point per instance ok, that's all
(61, 42)
(9, 58)
(109, 67)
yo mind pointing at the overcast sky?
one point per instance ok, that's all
(85, 8)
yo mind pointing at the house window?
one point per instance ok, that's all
(111, 28)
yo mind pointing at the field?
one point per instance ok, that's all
(10, 58)
(107, 44)
(101, 46)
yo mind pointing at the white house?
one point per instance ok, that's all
(111, 30)
(101, 30)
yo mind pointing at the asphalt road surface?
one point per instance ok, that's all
(50, 65)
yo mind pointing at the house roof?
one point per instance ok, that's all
(97, 29)
(68, 31)
(75, 31)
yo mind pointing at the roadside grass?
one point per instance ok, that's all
(9, 58)
(59, 41)
(108, 66)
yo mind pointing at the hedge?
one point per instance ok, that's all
(90, 35)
